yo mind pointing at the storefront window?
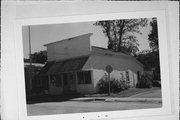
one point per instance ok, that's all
(84, 77)
(80, 77)
(65, 79)
(58, 81)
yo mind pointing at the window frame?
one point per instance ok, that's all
(84, 78)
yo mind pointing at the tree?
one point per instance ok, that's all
(153, 36)
(154, 45)
(150, 59)
(39, 57)
(121, 34)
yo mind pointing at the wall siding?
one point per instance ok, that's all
(69, 48)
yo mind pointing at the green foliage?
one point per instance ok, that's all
(115, 85)
(153, 36)
(120, 34)
(39, 57)
(150, 59)
(145, 80)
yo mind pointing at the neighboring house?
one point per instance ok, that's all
(32, 82)
(75, 66)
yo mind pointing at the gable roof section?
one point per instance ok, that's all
(68, 65)
(104, 51)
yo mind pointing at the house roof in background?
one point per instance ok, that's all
(34, 64)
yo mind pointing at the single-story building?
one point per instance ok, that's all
(31, 72)
(74, 65)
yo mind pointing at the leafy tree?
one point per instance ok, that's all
(121, 34)
(150, 59)
(153, 36)
(39, 57)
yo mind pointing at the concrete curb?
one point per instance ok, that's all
(134, 100)
(159, 100)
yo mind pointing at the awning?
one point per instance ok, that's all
(45, 69)
(69, 65)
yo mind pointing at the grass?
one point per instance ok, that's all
(51, 98)
(60, 98)
(126, 93)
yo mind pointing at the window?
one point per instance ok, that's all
(87, 75)
(127, 75)
(65, 79)
(138, 75)
(80, 77)
(38, 82)
(45, 82)
(84, 77)
(52, 79)
(58, 81)
(72, 78)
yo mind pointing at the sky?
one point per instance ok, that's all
(43, 34)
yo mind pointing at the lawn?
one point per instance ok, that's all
(131, 92)
(62, 104)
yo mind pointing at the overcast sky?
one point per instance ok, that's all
(42, 34)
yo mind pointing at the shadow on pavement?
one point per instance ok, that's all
(51, 98)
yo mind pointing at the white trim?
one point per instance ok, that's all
(13, 77)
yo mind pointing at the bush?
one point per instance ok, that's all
(156, 83)
(145, 81)
(115, 85)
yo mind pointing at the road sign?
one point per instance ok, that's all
(109, 69)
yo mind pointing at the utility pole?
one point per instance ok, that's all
(30, 61)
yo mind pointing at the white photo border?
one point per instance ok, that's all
(167, 107)
(160, 15)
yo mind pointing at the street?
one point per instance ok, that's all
(88, 106)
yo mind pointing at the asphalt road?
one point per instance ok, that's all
(88, 106)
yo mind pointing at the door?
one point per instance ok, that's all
(72, 82)
(69, 82)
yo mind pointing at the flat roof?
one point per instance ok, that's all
(88, 34)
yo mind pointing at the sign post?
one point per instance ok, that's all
(109, 69)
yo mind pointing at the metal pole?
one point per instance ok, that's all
(109, 84)
(30, 61)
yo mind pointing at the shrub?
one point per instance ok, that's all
(156, 83)
(115, 85)
(145, 80)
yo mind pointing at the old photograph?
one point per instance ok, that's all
(80, 67)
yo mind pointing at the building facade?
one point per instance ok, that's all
(75, 66)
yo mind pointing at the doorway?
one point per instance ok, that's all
(69, 82)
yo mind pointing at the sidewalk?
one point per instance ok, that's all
(114, 99)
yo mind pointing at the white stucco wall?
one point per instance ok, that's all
(100, 74)
(120, 65)
(69, 48)
(86, 88)
(135, 79)
(132, 78)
